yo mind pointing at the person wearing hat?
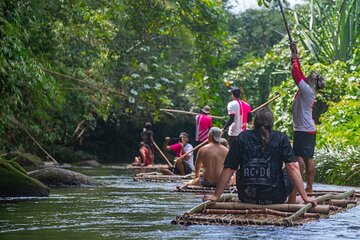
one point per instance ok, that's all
(239, 112)
(203, 124)
(184, 165)
(303, 122)
(211, 159)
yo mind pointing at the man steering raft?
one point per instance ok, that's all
(184, 165)
(261, 153)
(303, 123)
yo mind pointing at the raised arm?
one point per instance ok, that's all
(296, 72)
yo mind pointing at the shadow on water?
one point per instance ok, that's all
(127, 209)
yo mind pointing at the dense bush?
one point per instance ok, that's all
(338, 166)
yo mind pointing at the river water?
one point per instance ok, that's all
(126, 209)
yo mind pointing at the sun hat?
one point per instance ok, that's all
(206, 109)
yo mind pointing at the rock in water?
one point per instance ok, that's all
(59, 177)
(14, 182)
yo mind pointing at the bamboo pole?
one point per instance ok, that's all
(186, 112)
(319, 200)
(34, 140)
(256, 211)
(147, 174)
(266, 103)
(323, 192)
(208, 203)
(195, 148)
(162, 154)
(323, 209)
(285, 22)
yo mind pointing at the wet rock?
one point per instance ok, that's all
(58, 177)
(14, 182)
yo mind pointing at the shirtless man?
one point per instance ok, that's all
(211, 157)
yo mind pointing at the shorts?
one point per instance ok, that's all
(205, 183)
(289, 187)
(304, 144)
(187, 170)
(267, 195)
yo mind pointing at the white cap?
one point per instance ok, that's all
(216, 133)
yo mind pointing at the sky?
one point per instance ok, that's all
(242, 5)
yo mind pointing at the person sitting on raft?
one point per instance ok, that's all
(144, 158)
(184, 165)
(211, 159)
(261, 153)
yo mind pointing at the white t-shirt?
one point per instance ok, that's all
(190, 162)
(302, 108)
(240, 116)
(235, 128)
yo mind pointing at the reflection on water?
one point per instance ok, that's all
(128, 209)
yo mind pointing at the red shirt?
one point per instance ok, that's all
(203, 124)
(147, 160)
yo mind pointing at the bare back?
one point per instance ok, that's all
(212, 156)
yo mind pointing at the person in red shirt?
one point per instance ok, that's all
(184, 165)
(144, 158)
(203, 124)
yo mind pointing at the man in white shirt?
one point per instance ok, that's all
(239, 112)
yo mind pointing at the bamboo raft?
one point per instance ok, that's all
(159, 177)
(149, 167)
(228, 210)
(203, 190)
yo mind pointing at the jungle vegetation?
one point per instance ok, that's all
(86, 74)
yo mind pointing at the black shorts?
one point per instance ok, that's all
(187, 170)
(304, 144)
(206, 183)
(289, 187)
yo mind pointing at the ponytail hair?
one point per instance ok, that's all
(264, 122)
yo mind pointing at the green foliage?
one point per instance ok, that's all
(257, 77)
(340, 124)
(266, 3)
(338, 166)
(63, 66)
(329, 31)
(253, 33)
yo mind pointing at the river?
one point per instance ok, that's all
(126, 209)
